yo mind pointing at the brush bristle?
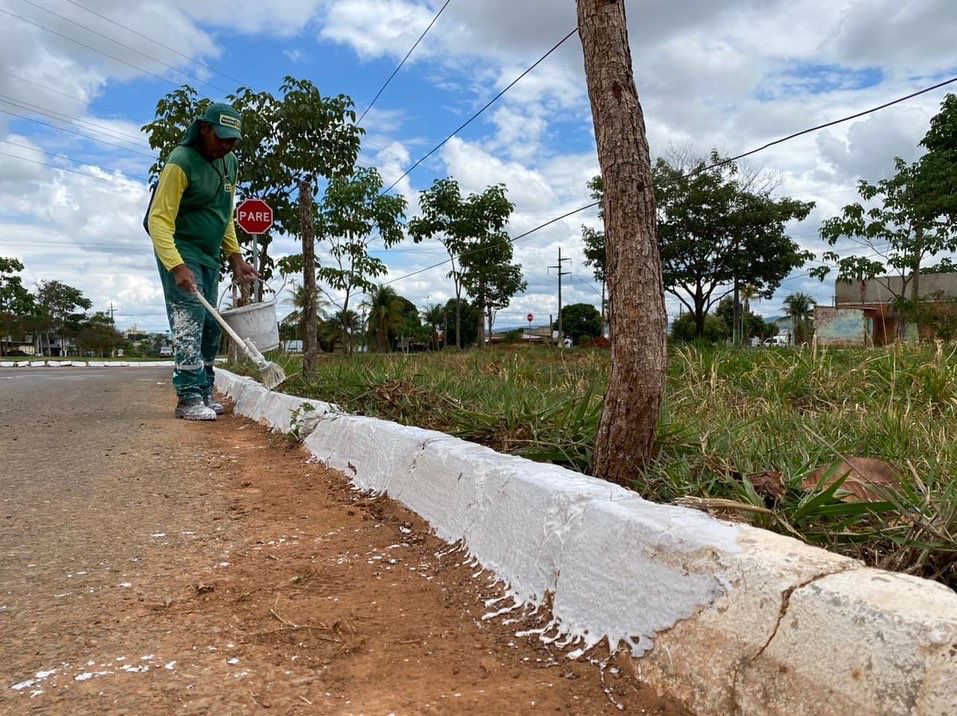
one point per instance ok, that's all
(272, 376)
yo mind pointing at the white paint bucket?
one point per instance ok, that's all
(257, 322)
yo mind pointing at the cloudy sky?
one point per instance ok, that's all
(79, 77)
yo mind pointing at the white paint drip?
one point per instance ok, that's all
(538, 528)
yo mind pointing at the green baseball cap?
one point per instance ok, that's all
(226, 121)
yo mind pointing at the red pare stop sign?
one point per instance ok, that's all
(254, 216)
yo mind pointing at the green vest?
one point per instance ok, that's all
(207, 204)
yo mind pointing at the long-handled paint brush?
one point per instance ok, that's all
(270, 374)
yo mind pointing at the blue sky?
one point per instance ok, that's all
(728, 75)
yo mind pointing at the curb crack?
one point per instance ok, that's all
(782, 612)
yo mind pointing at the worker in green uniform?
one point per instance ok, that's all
(190, 222)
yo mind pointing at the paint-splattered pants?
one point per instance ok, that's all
(195, 332)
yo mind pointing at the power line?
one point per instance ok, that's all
(65, 169)
(89, 47)
(475, 116)
(155, 42)
(65, 117)
(695, 171)
(845, 119)
(84, 100)
(122, 44)
(79, 134)
(399, 66)
(511, 240)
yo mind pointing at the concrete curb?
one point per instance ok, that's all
(86, 364)
(722, 616)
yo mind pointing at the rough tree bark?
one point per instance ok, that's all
(310, 350)
(629, 419)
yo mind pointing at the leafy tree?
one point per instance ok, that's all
(593, 240)
(441, 218)
(488, 274)
(752, 325)
(98, 333)
(901, 227)
(472, 232)
(411, 327)
(316, 138)
(714, 231)
(385, 317)
(59, 302)
(800, 308)
(469, 316)
(937, 169)
(945, 265)
(580, 321)
(684, 328)
(17, 305)
(351, 209)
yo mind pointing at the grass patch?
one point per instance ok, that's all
(734, 422)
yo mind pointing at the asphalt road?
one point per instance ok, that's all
(149, 565)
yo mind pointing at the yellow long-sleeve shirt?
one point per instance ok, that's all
(178, 225)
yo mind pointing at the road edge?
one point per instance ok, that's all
(721, 616)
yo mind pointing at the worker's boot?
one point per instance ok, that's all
(194, 409)
(215, 405)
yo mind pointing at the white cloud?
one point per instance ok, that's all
(715, 73)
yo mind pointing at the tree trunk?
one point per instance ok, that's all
(481, 320)
(736, 315)
(629, 419)
(699, 315)
(915, 288)
(310, 349)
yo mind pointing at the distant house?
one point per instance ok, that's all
(39, 344)
(866, 313)
(17, 346)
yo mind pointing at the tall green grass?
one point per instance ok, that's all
(729, 417)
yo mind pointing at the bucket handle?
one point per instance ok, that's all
(232, 283)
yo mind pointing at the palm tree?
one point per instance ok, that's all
(800, 308)
(298, 300)
(385, 316)
(339, 328)
(434, 315)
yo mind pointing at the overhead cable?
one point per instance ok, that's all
(492, 101)
(156, 42)
(123, 45)
(399, 66)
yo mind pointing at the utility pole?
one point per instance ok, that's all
(111, 314)
(560, 274)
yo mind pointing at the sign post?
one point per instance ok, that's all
(529, 317)
(254, 216)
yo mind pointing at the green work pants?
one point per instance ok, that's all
(195, 332)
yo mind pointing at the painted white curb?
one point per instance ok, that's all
(86, 364)
(724, 617)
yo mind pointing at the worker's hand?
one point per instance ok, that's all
(243, 272)
(185, 280)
